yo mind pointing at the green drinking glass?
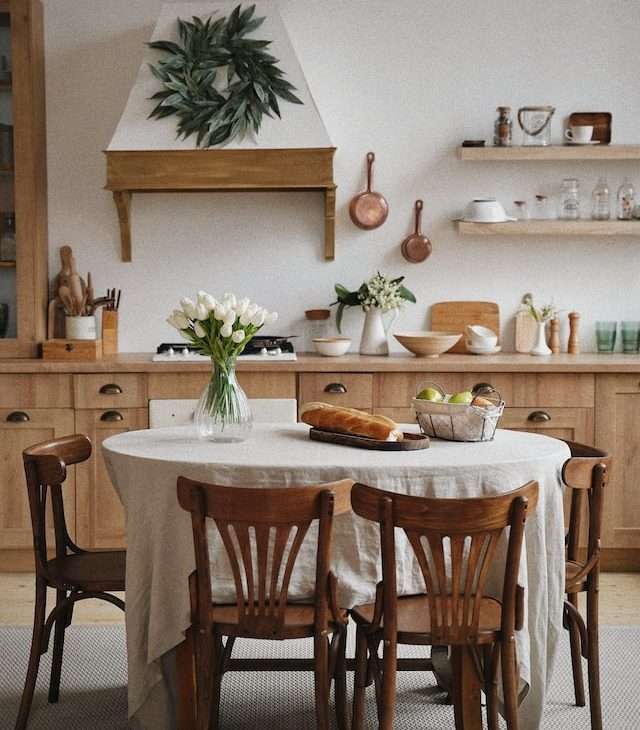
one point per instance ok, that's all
(630, 336)
(606, 336)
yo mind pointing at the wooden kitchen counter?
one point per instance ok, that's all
(307, 362)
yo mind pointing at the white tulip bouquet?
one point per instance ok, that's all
(221, 330)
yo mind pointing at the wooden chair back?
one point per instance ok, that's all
(454, 542)
(586, 474)
(262, 531)
(45, 466)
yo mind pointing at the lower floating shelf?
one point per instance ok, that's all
(7, 264)
(551, 228)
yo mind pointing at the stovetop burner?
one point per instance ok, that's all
(261, 346)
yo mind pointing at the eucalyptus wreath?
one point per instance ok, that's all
(218, 82)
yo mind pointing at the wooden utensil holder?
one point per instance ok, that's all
(109, 332)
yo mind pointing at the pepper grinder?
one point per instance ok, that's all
(554, 336)
(573, 348)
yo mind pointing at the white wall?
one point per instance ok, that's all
(408, 80)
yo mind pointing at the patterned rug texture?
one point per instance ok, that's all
(93, 694)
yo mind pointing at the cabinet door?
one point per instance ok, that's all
(20, 428)
(100, 516)
(617, 429)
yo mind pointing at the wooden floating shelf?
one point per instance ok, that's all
(7, 264)
(219, 170)
(551, 228)
(552, 152)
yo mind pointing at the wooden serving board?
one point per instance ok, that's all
(411, 441)
(455, 316)
(526, 328)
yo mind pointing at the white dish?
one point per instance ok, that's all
(579, 144)
(485, 210)
(484, 350)
(480, 337)
(332, 346)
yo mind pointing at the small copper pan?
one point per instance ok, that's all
(416, 247)
(369, 210)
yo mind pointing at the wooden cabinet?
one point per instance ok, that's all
(21, 427)
(352, 390)
(23, 180)
(100, 520)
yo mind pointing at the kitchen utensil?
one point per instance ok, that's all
(480, 337)
(89, 292)
(66, 257)
(416, 247)
(410, 442)
(630, 332)
(485, 210)
(369, 209)
(427, 343)
(573, 346)
(601, 122)
(67, 300)
(526, 328)
(109, 332)
(554, 335)
(579, 133)
(332, 346)
(455, 316)
(606, 336)
(535, 122)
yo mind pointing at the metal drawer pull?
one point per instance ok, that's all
(111, 389)
(335, 388)
(112, 416)
(18, 417)
(539, 417)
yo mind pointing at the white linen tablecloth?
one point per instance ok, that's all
(144, 467)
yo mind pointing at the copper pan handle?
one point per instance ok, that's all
(370, 160)
(419, 206)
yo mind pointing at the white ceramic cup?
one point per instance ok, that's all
(81, 328)
(579, 133)
(480, 337)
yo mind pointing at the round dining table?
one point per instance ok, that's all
(145, 465)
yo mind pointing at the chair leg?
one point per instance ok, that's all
(34, 656)
(321, 657)
(491, 654)
(204, 651)
(388, 693)
(510, 681)
(340, 681)
(216, 682)
(359, 680)
(576, 654)
(593, 667)
(58, 648)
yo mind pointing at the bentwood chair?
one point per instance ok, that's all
(75, 574)
(262, 531)
(585, 474)
(454, 542)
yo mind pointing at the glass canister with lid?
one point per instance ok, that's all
(535, 122)
(570, 199)
(503, 127)
(317, 326)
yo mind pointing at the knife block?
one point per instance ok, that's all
(109, 332)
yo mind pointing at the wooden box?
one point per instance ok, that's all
(72, 350)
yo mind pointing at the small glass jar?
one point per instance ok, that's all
(543, 209)
(503, 127)
(520, 210)
(601, 201)
(317, 326)
(625, 201)
(570, 199)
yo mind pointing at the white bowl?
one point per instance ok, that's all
(485, 210)
(332, 346)
(480, 337)
(427, 343)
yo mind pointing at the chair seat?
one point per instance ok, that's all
(572, 568)
(298, 620)
(414, 617)
(91, 571)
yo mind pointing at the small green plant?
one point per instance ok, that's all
(540, 314)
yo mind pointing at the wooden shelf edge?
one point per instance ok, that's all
(550, 228)
(7, 264)
(620, 152)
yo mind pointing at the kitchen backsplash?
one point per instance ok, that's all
(410, 80)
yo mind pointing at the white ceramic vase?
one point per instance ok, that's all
(374, 332)
(540, 347)
(81, 328)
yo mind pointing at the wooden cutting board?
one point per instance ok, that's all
(526, 329)
(455, 316)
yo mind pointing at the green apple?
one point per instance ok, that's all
(464, 397)
(430, 394)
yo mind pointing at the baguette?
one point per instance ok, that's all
(350, 421)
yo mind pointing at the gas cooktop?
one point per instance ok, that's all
(260, 348)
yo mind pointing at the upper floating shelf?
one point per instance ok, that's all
(552, 152)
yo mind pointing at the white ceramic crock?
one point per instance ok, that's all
(81, 328)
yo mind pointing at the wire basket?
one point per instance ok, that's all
(476, 421)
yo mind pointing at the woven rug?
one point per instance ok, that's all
(94, 676)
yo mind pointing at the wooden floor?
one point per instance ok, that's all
(619, 602)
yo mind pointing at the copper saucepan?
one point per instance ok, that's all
(416, 247)
(369, 210)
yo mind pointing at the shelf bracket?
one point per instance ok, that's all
(330, 223)
(122, 200)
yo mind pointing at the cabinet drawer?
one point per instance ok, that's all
(395, 390)
(571, 424)
(341, 389)
(572, 390)
(35, 391)
(115, 390)
(164, 386)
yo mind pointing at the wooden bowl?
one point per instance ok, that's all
(426, 343)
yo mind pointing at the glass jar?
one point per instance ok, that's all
(570, 199)
(625, 201)
(317, 326)
(535, 122)
(503, 127)
(543, 209)
(520, 210)
(600, 201)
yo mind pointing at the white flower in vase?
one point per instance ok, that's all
(199, 330)
(226, 330)
(188, 307)
(238, 336)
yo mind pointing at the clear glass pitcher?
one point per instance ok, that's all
(535, 122)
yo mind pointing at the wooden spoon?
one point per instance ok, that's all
(65, 297)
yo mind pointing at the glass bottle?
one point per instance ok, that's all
(542, 208)
(625, 201)
(600, 200)
(503, 127)
(521, 212)
(570, 199)
(8, 239)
